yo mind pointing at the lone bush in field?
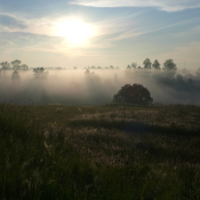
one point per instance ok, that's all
(134, 94)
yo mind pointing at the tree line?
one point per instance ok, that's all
(15, 65)
(168, 65)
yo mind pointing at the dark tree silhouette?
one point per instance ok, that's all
(147, 63)
(134, 94)
(156, 65)
(169, 65)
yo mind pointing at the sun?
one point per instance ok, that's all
(75, 31)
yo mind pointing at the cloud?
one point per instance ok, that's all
(11, 22)
(165, 5)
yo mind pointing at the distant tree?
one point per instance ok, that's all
(99, 67)
(39, 72)
(24, 67)
(117, 67)
(139, 67)
(16, 64)
(87, 71)
(156, 65)
(93, 67)
(169, 65)
(147, 63)
(134, 65)
(5, 65)
(111, 67)
(135, 94)
(106, 67)
(58, 68)
(74, 67)
(128, 67)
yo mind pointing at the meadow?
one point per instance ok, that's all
(99, 152)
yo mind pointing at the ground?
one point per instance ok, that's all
(99, 152)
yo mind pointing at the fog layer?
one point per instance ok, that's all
(78, 87)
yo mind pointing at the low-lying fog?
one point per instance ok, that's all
(76, 87)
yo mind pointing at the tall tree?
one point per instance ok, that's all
(169, 65)
(16, 64)
(147, 63)
(156, 65)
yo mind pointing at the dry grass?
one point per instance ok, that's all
(102, 152)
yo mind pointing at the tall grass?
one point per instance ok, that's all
(102, 156)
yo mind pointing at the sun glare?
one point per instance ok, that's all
(75, 31)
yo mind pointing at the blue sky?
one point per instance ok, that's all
(116, 32)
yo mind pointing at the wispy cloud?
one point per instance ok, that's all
(165, 5)
(11, 22)
(137, 32)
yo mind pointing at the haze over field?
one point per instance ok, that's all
(78, 87)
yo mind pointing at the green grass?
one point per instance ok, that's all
(99, 152)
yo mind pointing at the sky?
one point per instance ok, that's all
(81, 33)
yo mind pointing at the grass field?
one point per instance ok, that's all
(99, 152)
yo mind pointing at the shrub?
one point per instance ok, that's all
(134, 94)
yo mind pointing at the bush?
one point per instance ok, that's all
(134, 94)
